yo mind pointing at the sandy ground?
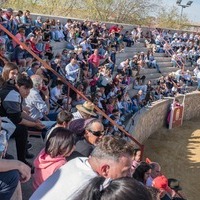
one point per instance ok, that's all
(178, 152)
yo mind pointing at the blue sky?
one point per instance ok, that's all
(193, 12)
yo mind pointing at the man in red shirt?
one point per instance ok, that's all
(114, 29)
(94, 60)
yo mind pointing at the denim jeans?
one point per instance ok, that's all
(94, 70)
(8, 183)
(155, 65)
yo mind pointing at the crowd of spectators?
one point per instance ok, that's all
(33, 99)
(183, 48)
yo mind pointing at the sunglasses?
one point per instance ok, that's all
(97, 133)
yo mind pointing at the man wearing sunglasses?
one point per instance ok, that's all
(94, 132)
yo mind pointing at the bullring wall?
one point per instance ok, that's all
(152, 118)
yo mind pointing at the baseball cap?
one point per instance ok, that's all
(174, 184)
(9, 10)
(161, 182)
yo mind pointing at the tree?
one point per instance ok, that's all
(170, 18)
(51, 7)
(124, 11)
(141, 12)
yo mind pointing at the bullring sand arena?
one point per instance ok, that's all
(178, 152)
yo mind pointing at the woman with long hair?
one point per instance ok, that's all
(9, 73)
(125, 188)
(142, 172)
(59, 145)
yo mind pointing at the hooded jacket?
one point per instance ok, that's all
(45, 166)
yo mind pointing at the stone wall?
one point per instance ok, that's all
(152, 118)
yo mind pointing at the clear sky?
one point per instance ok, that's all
(193, 12)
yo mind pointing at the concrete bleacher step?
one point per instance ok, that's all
(163, 59)
(159, 55)
(125, 55)
(151, 74)
(154, 76)
(58, 46)
(165, 71)
(189, 67)
(132, 92)
(148, 71)
(138, 45)
(164, 64)
(131, 52)
(142, 40)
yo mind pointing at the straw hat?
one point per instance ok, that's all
(87, 108)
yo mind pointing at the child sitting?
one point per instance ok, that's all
(59, 145)
(136, 159)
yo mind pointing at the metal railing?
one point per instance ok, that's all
(70, 86)
(154, 32)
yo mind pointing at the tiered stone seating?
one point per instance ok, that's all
(58, 46)
(150, 73)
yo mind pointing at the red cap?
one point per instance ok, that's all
(161, 182)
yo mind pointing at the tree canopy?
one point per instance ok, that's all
(142, 12)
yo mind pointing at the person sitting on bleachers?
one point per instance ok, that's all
(39, 108)
(27, 21)
(59, 145)
(138, 84)
(72, 70)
